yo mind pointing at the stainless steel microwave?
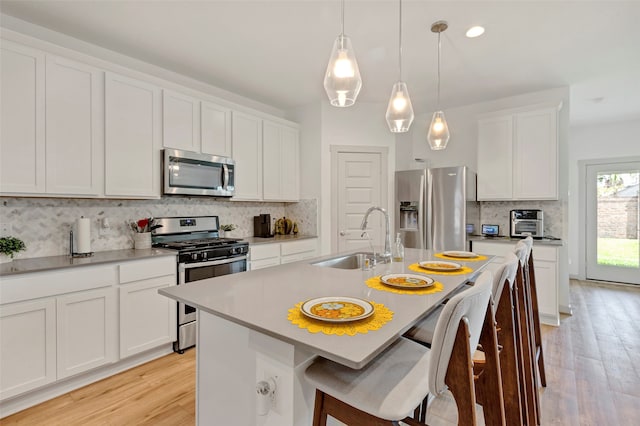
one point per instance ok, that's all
(192, 173)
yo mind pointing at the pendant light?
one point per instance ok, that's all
(438, 130)
(399, 112)
(342, 80)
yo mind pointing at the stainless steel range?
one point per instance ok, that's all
(201, 255)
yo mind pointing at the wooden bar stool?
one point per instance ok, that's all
(530, 275)
(390, 387)
(510, 354)
(528, 385)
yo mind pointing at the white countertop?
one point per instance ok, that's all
(506, 239)
(260, 300)
(277, 239)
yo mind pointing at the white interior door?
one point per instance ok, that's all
(612, 251)
(360, 183)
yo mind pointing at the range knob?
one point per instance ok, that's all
(194, 256)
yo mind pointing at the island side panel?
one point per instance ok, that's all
(231, 359)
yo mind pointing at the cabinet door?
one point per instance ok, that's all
(215, 126)
(147, 319)
(280, 162)
(87, 330)
(495, 159)
(27, 346)
(536, 155)
(271, 161)
(247, 152)
(180, 121)
(547, 291)
(22, 139)
(74, 136)
(132, 139)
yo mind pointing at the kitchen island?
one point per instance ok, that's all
(244, 335)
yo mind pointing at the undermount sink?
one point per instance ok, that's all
(345, 261)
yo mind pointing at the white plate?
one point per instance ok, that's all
(440, 265)
(409, 280)
(460, 254)
(337, 309)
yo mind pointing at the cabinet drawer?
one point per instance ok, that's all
(264, 251)
(147, 268)
(545, 253)
(52, 283)
(264, 263)
(296, 247)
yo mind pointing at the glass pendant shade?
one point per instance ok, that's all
(342, 81)
(438, 136)
(400, 111)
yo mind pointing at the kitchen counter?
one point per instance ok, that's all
(244, 335)
(49, 263)
(505, 239)
(277, 239)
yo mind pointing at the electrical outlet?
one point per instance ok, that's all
(5, 229)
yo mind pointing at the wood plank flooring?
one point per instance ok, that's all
(592, 362)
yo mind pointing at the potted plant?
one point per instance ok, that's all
(225, 228)
(10, 246)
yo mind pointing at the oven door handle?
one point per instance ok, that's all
(212, 262)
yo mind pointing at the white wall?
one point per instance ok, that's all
(362, 124)
(593, 142)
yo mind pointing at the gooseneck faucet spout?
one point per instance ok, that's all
(387, 240)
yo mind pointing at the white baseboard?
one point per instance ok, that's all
(565, 309)
(37, 396)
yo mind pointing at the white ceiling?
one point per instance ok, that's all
(276, 51)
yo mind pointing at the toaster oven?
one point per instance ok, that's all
(526, 223)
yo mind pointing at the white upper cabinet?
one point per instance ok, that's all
(215, 129)
(180, 121)
(74, 127)
(280, 162)
(536, 155)
(132, 137)
(22, 141)
(518, 156)
(247, 153)
(495, 154)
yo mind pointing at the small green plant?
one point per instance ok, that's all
(11, 245)
(228, 227)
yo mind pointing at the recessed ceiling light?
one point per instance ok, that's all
(476, 31)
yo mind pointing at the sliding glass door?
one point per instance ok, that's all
(612, 206)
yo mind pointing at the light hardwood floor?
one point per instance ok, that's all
(592, 362)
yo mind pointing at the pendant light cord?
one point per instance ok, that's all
(400, 44)
(438, 100)
(342, 31)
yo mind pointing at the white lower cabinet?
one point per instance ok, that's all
(147, 319)
(545, 260)
(27, 346)
(267, 255)
(59, 324)
(86, 330)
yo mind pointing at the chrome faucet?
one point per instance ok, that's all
(386, 256)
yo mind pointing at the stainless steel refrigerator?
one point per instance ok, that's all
(436, 208)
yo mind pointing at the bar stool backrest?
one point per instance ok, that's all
(470, 306)
(506, 273)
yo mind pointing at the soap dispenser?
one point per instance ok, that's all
(398, 250)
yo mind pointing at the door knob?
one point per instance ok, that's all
(343, 233)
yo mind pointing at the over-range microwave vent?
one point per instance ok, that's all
(193, 173)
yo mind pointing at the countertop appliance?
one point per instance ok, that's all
(262, 226)
(527, 222)
(434, 207)
(201, 254)
(192, 173)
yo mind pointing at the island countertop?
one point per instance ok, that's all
(260, 300)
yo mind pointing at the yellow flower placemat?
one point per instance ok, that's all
(460, 259)
(416, 268)
(381, 316)
(375, 283)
